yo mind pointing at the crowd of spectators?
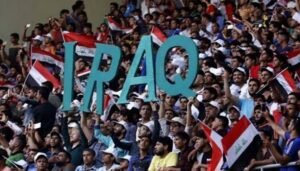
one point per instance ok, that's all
(242, 45)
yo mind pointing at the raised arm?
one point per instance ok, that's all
(65, 133)
(83, 122)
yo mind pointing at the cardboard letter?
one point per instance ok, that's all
(144, 50)
(180, 86)
(97, 78)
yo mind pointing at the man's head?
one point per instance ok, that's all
(48, 84)
(30, 154)
(212, 109)
(55, 140)
(146, 129)
(145, 111)
(14, 38)
(18, 143)
(234, 113)
(177, 124)
(41, 161)
(42, 94)
(253, 86)
(163, 146)
(209, 93)
(220, 122)
(88, 156)
(144, 143)
(239, 75)
(265, 74)
(181, 140)
(63, 158)
(120, 128)
(109, 155)
(74, 132)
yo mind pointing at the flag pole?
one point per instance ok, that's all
(22, 90)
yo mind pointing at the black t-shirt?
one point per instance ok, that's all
(44, 114)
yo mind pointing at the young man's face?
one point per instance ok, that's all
(42, 163)
(87, 157)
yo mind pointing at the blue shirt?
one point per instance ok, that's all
(291, 149)
(247, 107)
(137, 164)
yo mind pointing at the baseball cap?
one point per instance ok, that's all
(126, 157)
(123, 123)
(177, 120)
(268, 69)
(39, 38)
(214, 104)
(149, 125)
(240, 69)
(39, 155)
(234, 108)
(220, 42)
(111, 150)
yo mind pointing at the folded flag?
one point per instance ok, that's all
(115, 26)
(240, 144)
(44, 56)
(85, 44)
(214, 139)
(39, 74)
(294, 57)
(283, 84)
(158, 36)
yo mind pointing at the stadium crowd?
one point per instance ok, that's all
(244, 48)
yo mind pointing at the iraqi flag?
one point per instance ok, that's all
(85, 44)
(240, 144)
(39, 74)
(283, 84)
(158, 36)
(115, 26)
(294, 57)
(215, 141)
(44, 56)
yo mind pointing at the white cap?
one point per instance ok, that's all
(39, 38)
(131, 105)
(111, 150)
(177, 120)
(49, 35)
(202, 55)
(240, 69)
(291, 4)
(149, 125)
(214, 104)
(123, 123)
(73, 125)
(269, 69)
(126, 157)
(220, 42)
(235, 108)
(38, 155)
(216, 71)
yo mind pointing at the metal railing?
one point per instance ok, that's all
(273, 166)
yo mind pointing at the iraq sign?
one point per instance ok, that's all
(155, 72)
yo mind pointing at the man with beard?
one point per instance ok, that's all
(63, 162)
(247, 102)
(119, 131)
(163, 158)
